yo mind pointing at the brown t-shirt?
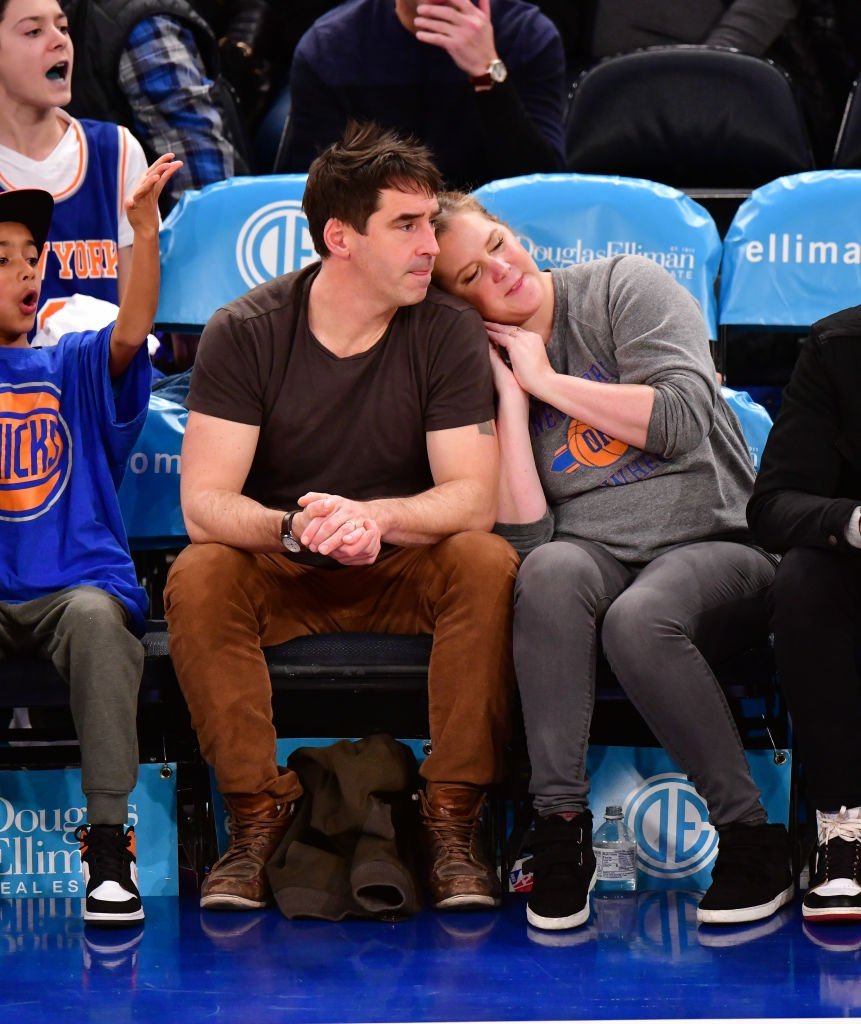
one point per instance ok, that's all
(354, 426)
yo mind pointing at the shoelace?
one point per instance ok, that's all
(251, 834)
(840, 838)
(108, 852)
(840, 827)
(454, 831)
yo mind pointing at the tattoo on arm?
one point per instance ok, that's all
(487, 428)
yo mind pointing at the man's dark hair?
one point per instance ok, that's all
(346, 180)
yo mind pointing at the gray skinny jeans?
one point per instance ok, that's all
(83, 631)
(658, 625)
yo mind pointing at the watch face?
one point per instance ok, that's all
(497, 71)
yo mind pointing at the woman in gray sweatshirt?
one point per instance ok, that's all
(624, 482)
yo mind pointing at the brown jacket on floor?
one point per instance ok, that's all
(349, 849)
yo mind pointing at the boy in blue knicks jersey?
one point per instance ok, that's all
(69, 416)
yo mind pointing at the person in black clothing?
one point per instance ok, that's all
(486, 95)
(806, 505)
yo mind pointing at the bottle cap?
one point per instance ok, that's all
(613, 811)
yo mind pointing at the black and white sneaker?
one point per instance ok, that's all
(751, 878)
(112, 954)
(835, 889)
(109, 863)
(563, 869)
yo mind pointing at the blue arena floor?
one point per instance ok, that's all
(639, 957)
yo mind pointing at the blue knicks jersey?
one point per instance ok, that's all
(81, 252)
(66, 432)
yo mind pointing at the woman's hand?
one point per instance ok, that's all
(527, 353)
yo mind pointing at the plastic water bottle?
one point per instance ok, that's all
(616, 853)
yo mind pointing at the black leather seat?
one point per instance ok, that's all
(690, 116)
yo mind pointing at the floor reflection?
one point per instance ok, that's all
(640, 955)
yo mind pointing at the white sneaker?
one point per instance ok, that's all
(835, 890)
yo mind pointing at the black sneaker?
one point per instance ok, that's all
(835, 889)
(110, 871)
(563, 869)
(752, 877)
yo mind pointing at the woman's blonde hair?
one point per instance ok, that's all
(453, 203)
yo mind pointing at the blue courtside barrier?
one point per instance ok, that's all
(149, 495)
(574, 218)
(793, 251)
(226, 238)
(39, 811)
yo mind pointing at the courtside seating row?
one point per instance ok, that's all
(788, 259)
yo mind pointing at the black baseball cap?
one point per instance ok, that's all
(32, 207)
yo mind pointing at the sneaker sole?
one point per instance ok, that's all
(466, 900)
(739, 915)
(113, 920)
(228, 902)
(558, 924)
(831, 913)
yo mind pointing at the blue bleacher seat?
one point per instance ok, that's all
(792, 254)
(226, 238)
(572, 218)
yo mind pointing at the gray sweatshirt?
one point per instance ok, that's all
(626, 320)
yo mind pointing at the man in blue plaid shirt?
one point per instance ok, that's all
(161, 75)
(154, 73)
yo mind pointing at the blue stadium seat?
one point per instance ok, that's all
(572, 218)
(792, 254)
(226, 238)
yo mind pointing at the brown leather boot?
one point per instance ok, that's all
(460, 874)
(238, 880)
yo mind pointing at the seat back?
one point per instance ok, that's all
(573, 218)
(792, 253)
(226, 238)
(689, 116)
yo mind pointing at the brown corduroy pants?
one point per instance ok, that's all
(223, 605)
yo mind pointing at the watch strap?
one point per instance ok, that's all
(287, 524)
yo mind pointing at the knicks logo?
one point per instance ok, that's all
(274, 240)
(670, 822)
(35, 451)
(587, 446)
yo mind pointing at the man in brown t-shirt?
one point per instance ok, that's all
(339, 473)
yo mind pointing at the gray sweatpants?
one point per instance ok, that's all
(83, 631)
(658, 626)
